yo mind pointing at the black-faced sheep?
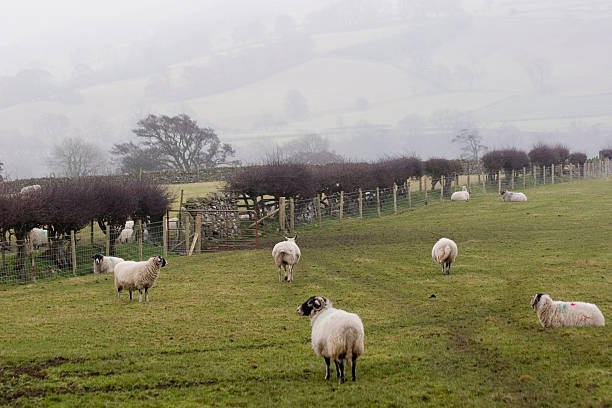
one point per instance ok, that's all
(336, 334)
(105, 264)
(286, 254)
(131, 275)
(512, 196)
(554, 313)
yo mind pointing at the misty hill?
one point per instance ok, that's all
(518, 72)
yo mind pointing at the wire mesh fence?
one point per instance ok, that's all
(187, 232)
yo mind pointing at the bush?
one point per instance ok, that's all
(544, 155)
(577, 158)
(605, 154)
(507, 160)
(562, 153)
(437, 167)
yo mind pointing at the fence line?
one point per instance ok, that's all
(186, 232)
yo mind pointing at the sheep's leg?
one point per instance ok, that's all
(340, 368)
(290, 273)
(448, 268)
(280, 274)
(118, 295)
(139, 295)
(337, 369)
(146, 294)
(130, 295)
(354, 360)
(326, 367)
(443, 271)
(285, 269)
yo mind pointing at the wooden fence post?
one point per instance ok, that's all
(91, 234)
(409, 195)
(139, 239)
(318, 205)
(512, 180)
(198, 233)
(552, 173)
(421, 183)
(457, 182)
(360, 203)
(543, 174)
(32, 260)
(524, 178)
(442, 187)
(165, 235)
(282, 216)
(291, 214)
(341, 212)
(535, 177)
(107, 239)
(378, 201)
(73, 252)
(394, 198)
(484, 183)
(187, 227)
(571, 169)
(426, 195)
(498, 181)
(469, 185)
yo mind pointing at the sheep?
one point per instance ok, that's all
(125, 235)
(38, 237)
(336, 334)
(512, 196)
(555, 313)
(286, 254)
(129, 224)
(173, 223)
(30, 189)
(444, 252)
(131, 275)
(105, 264)
(462, 195)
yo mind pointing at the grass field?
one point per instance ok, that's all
(193, 190)
(220, 330)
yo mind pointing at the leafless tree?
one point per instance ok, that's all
(471, 144)
(75, 157)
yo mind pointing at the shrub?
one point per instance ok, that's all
(506, 159)
(437, 167)
(544, 155)
(577, 158)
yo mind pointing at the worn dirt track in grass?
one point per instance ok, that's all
(221, 331)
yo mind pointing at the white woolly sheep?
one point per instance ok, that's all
(555, 313)
(129, 224)
(444, 252)
(462, 195)
(30, 189)
(125, 235)
(173, 223)
(512, 196)
(336, 334)
(105, 264)
(286, 254)
(131, 275)
(38, 237)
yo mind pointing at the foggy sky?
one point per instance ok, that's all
(374, 77)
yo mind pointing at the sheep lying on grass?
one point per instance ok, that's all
(462, 195)
(286, 254)
(105, 264)
(512, 196)
(444, 252)
(554, 313)
(30, 189)
(336, 334)
(131, 275)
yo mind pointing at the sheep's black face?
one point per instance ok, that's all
(313, 303)
(162, 261)
(536, 299)
(502, 192)
(97, 258)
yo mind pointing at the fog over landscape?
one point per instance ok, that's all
(373, 78)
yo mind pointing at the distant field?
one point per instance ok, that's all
(219, 329)
(193, 190)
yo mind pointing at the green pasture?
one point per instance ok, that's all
(220, 330)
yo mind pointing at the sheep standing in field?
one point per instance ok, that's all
(554, 313)
(286, 254)
(131, 275)
(336, 334)
(512, 196)
(38, 237)
(444, 252)
(105, 264)
(462, 195)
(129, 224)
(125, 236)
(30, 189)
